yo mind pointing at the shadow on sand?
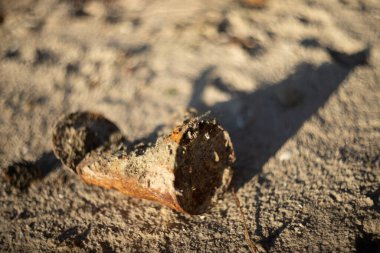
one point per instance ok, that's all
(262, 121)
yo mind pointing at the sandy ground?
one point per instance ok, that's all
(306, 128)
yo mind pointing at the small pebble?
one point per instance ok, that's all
(368, 201)
(336, 197)
(285, 156)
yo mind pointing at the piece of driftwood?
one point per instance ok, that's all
(186, 170)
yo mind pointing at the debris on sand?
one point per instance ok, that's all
(350, 60)
(183, 170)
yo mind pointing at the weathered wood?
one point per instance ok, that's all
(185, 170)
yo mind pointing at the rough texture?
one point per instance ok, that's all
(77, 134)
(203, 164)
(186, 170)
(305, 127)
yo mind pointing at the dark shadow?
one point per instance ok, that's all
(90, 129)
(22, 173)
(367, 243)
(261, 122)
(269, 241)
(74, 236)
(47, 163)
(310, 43)
(375, 196)
(106, 247)
(266, 241)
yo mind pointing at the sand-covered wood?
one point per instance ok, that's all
(185, 170)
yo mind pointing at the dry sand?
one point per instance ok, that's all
(306, 128)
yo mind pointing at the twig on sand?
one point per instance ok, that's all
(251, 245)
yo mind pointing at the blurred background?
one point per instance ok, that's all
(296, 83)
